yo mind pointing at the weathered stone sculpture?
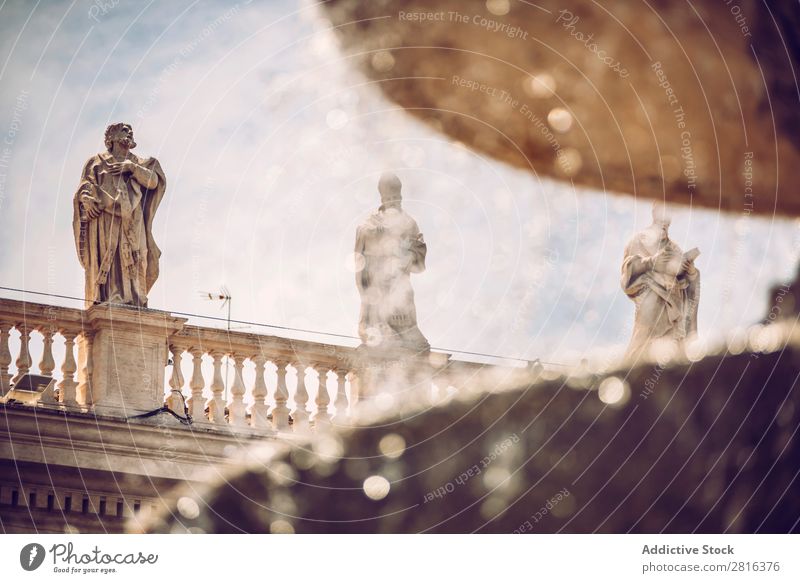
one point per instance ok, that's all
(113, 212)
(663, 283)
(389, 248)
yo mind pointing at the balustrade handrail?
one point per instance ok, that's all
(265, 404)
(35, 316)
(274, 348)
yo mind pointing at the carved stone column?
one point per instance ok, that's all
(47, 364)
(280, 414)
(341, 397)
(175, 401)
(84, 391)
(322, 418)
(216, 406)
(24, 359)
(5, 357)
(259, 410)
(128, 354)
(300, 413)
(197, 384)
(67, 387)
(236, 408)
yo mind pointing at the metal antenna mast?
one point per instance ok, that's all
(225, 297)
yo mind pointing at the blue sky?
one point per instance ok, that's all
(272, 145)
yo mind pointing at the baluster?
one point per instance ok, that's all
(24, 359)
(47, 364)
(85, 368)
(216, 406)
(67, 394)
(5, 358)
(355, 376)
(322, 418)
(236, 409)
(175, 400)
(197, 384)
(280, 414)
(300, 413)
(341, 397)
(259, 410)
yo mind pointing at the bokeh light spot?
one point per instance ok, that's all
(498, 7)
(614, 391)
(542, 85)
(560, 119)
(376, 487)
(392, 445)
(188, 508)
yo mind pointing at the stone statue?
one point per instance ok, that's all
(663, 283)
(388, 249)
(113, 212)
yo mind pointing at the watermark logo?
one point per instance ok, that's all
(31, 556)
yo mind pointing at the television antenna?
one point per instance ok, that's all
(224, 296)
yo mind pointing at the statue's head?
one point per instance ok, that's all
(121, 133)
(389, 186)
(661, 219)
(661, 214)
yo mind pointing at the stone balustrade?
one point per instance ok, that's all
(51, 324)
(231, 380)
(321, 369)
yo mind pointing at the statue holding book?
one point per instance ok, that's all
(663, 283)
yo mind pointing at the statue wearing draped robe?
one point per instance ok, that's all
(113, 212)
(663, 283)
(389, 248)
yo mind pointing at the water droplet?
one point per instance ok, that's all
(613, 391)
(542, 85)
(392, 445)
(376, 487)
(188, 508)
(281, 527)
(696, 349)
(382, 61)
(498, 7)
(560, 119)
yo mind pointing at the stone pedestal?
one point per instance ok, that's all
(122, 364)
(394, 372)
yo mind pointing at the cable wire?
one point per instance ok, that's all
(278, 327)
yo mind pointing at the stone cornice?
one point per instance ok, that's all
(158, 447)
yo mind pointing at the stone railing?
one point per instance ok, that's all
(48, 322)
(323, 368)
(123, 368)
